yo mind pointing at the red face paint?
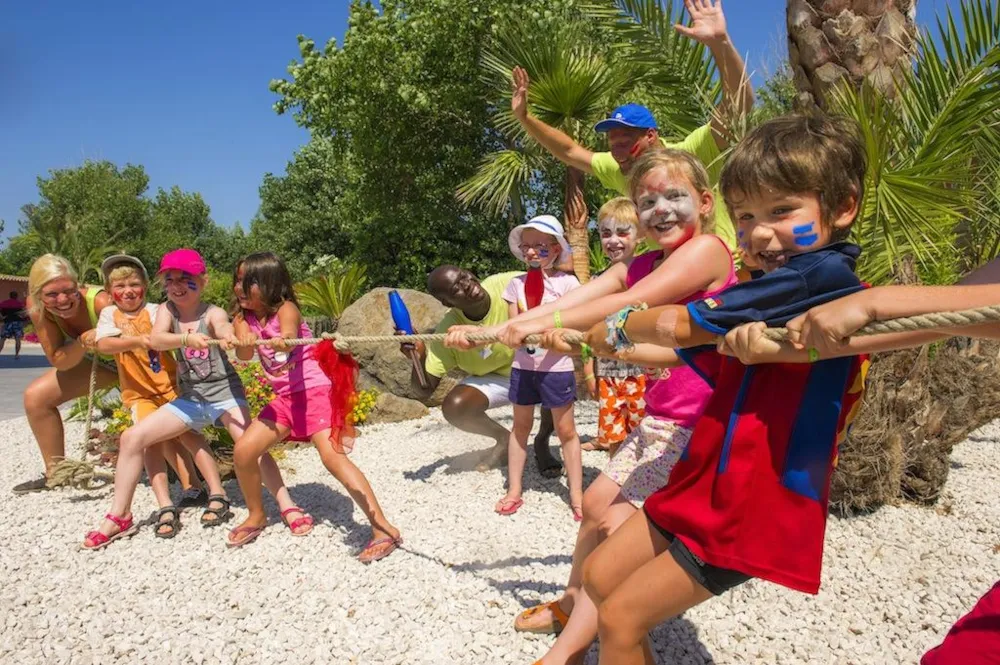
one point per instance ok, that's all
(688, 234)
(635, 149)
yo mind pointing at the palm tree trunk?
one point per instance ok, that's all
(575, 224)
(830, 41)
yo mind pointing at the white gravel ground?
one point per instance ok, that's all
(893, 581)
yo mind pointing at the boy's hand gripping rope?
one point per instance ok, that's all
(80, 473)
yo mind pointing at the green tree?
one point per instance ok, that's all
(404, 107)
(302, 216)
(83, 213)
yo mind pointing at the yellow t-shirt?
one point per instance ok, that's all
(699, 143)
(492, 359)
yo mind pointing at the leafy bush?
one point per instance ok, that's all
(255, 385)
(104, 406)
(332, 293)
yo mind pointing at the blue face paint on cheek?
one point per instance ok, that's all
(543, 253)
(192, 285)
(805, 235)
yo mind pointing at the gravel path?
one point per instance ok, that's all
(894, 581)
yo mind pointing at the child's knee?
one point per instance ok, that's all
(244, 455)
(130, 441)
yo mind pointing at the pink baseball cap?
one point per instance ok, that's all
(188, 260)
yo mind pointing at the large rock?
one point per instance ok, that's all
(392, 409)
(383, 367)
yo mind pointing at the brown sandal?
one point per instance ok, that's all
(559, 619)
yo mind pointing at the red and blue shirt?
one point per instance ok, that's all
(750, 491)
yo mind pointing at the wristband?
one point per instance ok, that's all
(590, 377)
(557, 318)
(813, 355)
(586, 353)
(184, 339)
(615, 323)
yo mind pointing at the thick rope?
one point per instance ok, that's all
(80, 473)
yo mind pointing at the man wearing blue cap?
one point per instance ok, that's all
(631, 128)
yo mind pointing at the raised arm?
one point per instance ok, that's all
(708, 27)
(558, 143)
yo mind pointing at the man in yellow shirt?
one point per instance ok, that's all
(487, 384)
(632, 129)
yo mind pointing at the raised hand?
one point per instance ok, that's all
(708, 23)
(519, 93)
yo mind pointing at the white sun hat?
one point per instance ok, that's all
(544, 223)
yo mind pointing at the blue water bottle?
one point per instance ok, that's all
(401, 322)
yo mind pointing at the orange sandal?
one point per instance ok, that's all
(559, 619)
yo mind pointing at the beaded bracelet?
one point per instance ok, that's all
(586, 353)
(184, 339)
(617, 339)
(557, 318)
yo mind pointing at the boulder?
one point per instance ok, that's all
(392, 409)
(383, 367)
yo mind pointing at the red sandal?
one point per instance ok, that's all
(305, 520)
(125, 528)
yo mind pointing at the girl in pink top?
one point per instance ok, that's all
(674, 201)
(301, 408)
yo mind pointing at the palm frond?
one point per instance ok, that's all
(501, 176)
(332, 294)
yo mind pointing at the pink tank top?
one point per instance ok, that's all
(676, 393)
(289, 372)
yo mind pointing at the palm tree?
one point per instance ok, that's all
(576, 80)
(854, 40)
(933, 149)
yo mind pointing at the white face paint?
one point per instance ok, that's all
(667, 208)
(618, 240)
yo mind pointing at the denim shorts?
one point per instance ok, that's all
(198, 414)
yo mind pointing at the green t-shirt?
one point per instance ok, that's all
(699, 143)
(492, 359)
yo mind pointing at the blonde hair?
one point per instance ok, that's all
(123, 271)
(621, 209)
(46, 268)
(674, 161)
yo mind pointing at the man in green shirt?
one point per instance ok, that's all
(477, 303)
(631, 128)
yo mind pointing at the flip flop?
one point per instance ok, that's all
(395, 543)
(508, 506)
(305, 520)
(559, 619)
(251, 531)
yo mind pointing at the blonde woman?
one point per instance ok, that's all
(64, 316)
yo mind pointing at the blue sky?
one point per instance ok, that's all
(182, 88)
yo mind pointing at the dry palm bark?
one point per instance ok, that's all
(857, 40)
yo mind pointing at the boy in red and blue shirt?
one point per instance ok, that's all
(749, 496)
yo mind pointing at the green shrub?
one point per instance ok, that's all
(329, 295)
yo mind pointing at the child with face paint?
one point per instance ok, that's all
(210, 392)
(675, 207)
(147, 379)
(537, 376)
(308, 404)
(749, 497)
(617, 386)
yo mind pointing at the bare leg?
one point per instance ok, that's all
(17, 347)
(247, 454)
(547, 464)
(237, 421)
(357, 485)
(517, 453)
(200, 452)
(465, 408)
(562, 417)
(159, 426)
(41, 405)
(156, 470)
(180, 461)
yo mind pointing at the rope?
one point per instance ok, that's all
(80, 473)
(966, 317)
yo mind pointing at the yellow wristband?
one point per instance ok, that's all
(557, 318)
(590, 377)
(184, 339)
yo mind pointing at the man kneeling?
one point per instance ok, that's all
(487, 385)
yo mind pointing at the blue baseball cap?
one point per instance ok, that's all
(632, 116)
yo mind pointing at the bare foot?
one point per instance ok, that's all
(494, 458)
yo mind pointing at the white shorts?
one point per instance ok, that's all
(496, 387)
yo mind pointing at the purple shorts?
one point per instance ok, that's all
(550, 389)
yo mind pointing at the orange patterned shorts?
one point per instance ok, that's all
(622, 407)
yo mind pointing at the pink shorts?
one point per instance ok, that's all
(304, 412)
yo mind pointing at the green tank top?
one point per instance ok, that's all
(90, 297)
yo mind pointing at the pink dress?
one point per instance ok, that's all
(675, 399)
(301, 388)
